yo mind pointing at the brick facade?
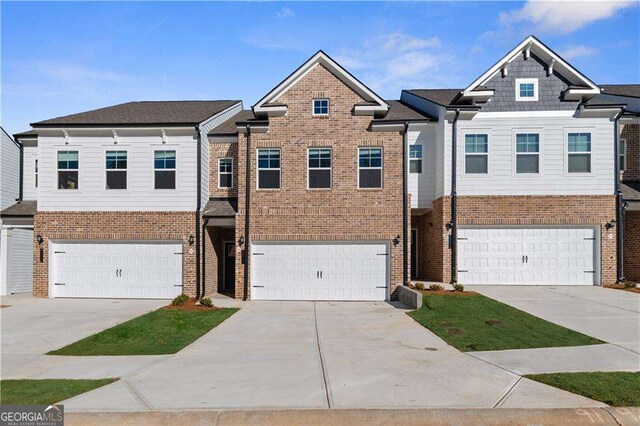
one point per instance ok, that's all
(219, 150)
(509, 211)
(632, 246)
(295, 213)
(175, 226)
(631, 133)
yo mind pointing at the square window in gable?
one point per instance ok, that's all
(321, 107)
(526, 89)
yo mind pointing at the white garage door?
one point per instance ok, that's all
(527, 256)
(308, 271)
(116, 270)
(20, 266)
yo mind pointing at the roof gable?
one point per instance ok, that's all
(373, 105)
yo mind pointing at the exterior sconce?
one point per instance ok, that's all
(448, 225)
(191, 240)
(610, 224)
(396, 240)
(241, 241)
(39, 239)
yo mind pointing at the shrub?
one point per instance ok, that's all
(420, 286)
(435, 287)
(180, 300)
(206, 301)
(458, 287)
(629, 284)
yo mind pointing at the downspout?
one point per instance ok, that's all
(247, 185)
(198, 205)
(405, 249)
(204, 259)
(619, 203)
(20, 189)
(454, 199)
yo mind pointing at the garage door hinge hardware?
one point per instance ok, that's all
(258, 286)
(383, 254)
(258, 254)
(178, 285)
(178, 253)
(462, 270)
(59, 284)
(589, 272)
(381, 286)
(462, 238)
(59, 251)
(589, 238)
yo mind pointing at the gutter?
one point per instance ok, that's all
(454, 199)
(247, 184)
(405, 249)
(198, 206)
(620, 204)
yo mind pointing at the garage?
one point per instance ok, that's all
(528, 255)
(132, 270)
(348, 271)
(16, 253)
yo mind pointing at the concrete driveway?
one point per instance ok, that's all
(31, 326)
(320, 355)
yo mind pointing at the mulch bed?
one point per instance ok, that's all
(190, 305)
(445, 292)
(621, 287)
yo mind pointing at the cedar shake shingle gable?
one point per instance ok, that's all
(143, 113)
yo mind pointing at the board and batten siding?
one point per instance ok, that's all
(140, 194)
(422, 186)
(9, 171)
(553, 178)
(29, 190)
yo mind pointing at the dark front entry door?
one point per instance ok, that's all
(414, 254)
(229, 272)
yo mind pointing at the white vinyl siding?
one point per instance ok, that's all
(30, 189)
(20, 246)
(9, 171)
(422, 186)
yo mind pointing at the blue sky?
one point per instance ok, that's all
(62, 58)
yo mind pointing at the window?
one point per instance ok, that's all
(116, 169)
(476, 148)
(268, 169)
(579, 153)
(68, 169)
(319, 163)
(528, 153)
(526, 89)
(369, 167)
(164, 169)
(321, 107)
(35, 173)
(415, 159)
(622, 154)
(225, 172)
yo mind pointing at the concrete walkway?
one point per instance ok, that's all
(309, 355)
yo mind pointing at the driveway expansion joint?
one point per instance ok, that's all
(325, 378)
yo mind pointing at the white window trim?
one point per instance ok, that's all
(258, 170)
(35, 171)
(225, 173)
(520, 81)
(112, 148)
(622, 141)
(313, 107)
(523, 131)
(566, 151)
(320, 168)
(464, 152)
(56, 170)
(421, 159)
(381, 168)
(163, 147)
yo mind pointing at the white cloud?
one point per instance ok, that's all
(400, 42)
(577, 51)
(71, 72)
(285, 13)
(563, 16)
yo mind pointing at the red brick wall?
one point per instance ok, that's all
(632, 246)
(631, 132)
(112, 226)
(219, 150)
(516, 210)
(342, 213)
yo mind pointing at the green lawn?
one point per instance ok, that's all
(477, 323)
(618, 389)
(163, 331)
(45, 392)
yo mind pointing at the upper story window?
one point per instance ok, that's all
(579, 153)
(527, 153)
(225, 172)
(526, 89)
(35, 173)
(68, 166)
(321, 107)
(476, 159)
(415, 159)
(369, 168)
(319, 168)
(268, 168)
(164, 169)
(116, 169)
(622, 154)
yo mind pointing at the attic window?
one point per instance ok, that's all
(321, 107)
(526, 89)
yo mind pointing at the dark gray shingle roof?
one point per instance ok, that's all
(27, 134)
(229, 126)
(221, 207)
(400, 111)
(144, 113)
(21, 209)
(632, 90)
(442, 97)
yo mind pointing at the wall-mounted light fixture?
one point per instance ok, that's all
(191, 240)
(396, 240)
(448, 225)
(610, 224)
(241, 241)
(39, 239)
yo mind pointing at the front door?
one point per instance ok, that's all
(414, 253)
(229, 272)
